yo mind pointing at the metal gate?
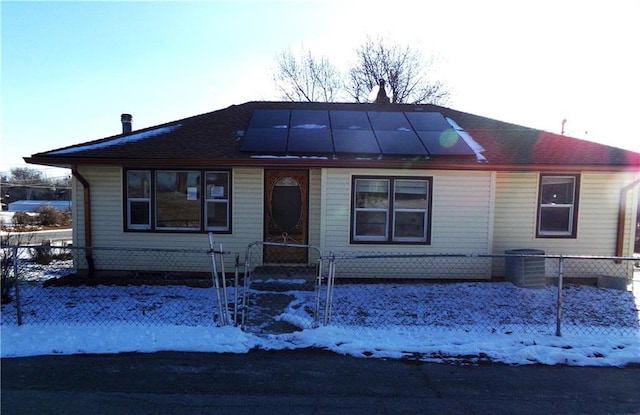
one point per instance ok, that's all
(279, 296)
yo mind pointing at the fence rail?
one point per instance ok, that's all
(272, 289)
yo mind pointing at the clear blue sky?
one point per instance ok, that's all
(69, 69)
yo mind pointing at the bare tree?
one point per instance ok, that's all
(31, 184)
(406, 72)
(306, 78)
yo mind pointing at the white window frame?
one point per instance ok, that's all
(357, 210)
(391, 212)
(209, 198)
(546, 205)
(424, 211)
(195, 191)
(147, 200)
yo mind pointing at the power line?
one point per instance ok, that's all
(35, 185)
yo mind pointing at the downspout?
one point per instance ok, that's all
(622, 214)
(87, 218)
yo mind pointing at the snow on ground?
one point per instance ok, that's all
(462, 322)
(6, 218)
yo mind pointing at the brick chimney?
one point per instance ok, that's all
(126, 120)
(382, 97)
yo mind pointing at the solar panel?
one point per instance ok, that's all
(310, 141)
(389, 121)
(352, 133)
(400, 143)
(427, 121)
(355, 142)
(438, 135)
(270, 119)
(311, 132)
(445, 143)
(349, 120)
(265, 140)
(268, 132)
(309, 119)
(395, 134)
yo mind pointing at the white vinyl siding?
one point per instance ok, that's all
(248, 209)
(461, 217)
(597, 225)
(77, 212)
(107, 204)
(315, 201)
(515, 211)
(460, 210)
(466, 218)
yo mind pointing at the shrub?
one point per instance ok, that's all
(42, 255)
(66, 217)
(49, 216)
(22, 219)
(6, 281)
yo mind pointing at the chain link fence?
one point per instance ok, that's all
(276, 288)
(598, 295)
(52, 285)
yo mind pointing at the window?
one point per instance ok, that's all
(178, 200)
(217, 201)
(138, 199)
(558, 206)
(391, 210)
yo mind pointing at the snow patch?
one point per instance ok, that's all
(119, 140)
(473, 144)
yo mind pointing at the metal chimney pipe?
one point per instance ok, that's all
(126, 120)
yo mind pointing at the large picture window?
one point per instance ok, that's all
(558, 206)
(178, 204)
(391, 210)
(178, 200)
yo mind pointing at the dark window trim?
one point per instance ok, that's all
(202, 171)
(576, 200)
(389, 240)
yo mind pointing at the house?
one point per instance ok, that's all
(350, 177)
(34, 205)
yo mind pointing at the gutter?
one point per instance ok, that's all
(87, 218)
(328, 162)
(622, 213)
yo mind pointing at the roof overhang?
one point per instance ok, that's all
(318, 162)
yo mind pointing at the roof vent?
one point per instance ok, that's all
(126, 120)
(382, 97)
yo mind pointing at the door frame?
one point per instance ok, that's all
(271, 177)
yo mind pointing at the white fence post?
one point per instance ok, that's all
(330, 282)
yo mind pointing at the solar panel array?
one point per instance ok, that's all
(367, 133)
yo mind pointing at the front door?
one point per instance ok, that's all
(286, 215)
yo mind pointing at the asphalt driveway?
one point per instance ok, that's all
(305, 381)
